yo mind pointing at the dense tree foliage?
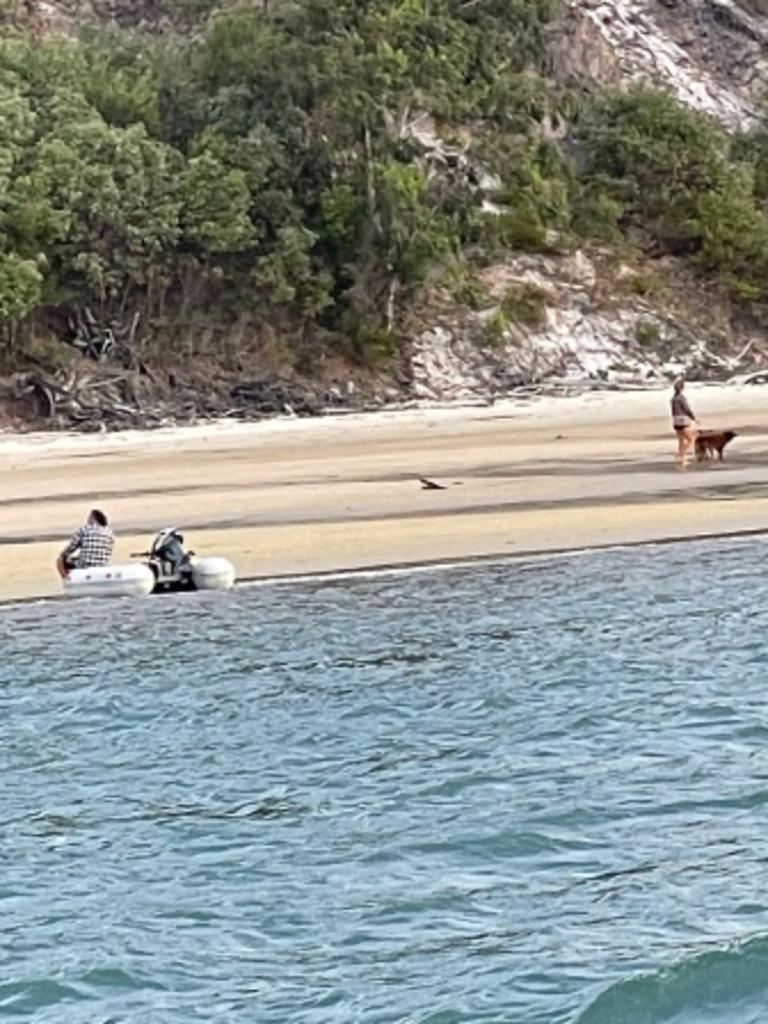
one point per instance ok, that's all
(318, 160)
(271, 159)
(672, 172)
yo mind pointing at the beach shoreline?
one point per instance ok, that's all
(289, 498)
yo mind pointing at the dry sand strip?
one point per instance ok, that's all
(289, 497)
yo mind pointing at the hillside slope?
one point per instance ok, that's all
(221, 208)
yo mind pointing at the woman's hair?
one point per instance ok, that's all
(99, 516)
(679, 385)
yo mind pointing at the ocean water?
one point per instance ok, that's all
(521, 792)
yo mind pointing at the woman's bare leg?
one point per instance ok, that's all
(687, 441)
(680, 456)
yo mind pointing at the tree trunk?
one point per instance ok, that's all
(394, 287)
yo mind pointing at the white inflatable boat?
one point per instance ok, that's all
(168, 568)
(212, 573)
(110, 581)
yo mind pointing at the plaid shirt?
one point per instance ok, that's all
(94, 545)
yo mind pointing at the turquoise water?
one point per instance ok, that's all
(512, 793)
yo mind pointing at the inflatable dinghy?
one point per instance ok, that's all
(110, 581)
(168, 568)
(212, 573)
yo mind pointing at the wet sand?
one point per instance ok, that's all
(289, 497)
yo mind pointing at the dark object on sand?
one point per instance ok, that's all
(709, 442)
(430, 485)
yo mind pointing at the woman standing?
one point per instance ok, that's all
(684, 423)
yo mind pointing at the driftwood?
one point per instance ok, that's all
(88, 401)
(114, 341)
(109, 398)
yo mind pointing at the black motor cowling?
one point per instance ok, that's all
(168, 546)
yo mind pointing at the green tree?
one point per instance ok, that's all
(734, 233)
(214, 206)
(289, 274)
(20, 287)
(656, 158)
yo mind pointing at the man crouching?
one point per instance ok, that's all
(91, 545)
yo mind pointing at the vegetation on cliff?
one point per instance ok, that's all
(312, 163)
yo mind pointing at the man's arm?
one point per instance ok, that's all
(70, 549)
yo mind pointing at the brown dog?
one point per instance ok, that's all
(710, 441)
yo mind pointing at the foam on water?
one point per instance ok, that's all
(523, 792)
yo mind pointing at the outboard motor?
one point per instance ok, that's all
(168, 547)
(175, 569)
(170, 563)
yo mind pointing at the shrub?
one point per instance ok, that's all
(526, 303)
(518, 227)
(496, 327)
(49, 353)
(647, 333)
(644, 283)
(20, 287)
(654, 156)
(747, 291)
(734, 233)
(597, 216)
(466, 289)
(365, 342)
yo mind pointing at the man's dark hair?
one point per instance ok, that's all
(99, 516)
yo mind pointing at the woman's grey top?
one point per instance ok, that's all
(681, 408)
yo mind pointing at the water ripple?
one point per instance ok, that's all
(528, 793)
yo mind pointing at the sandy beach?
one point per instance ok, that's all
(289, 497)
